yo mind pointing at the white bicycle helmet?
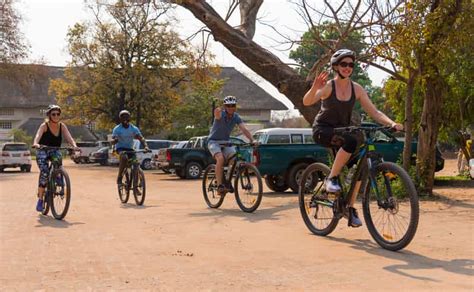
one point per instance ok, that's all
(53, 107)
(341, 54)
(124, 112)
(230, 99)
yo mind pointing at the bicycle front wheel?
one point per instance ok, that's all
(316, 207)
(60, 195)
(391, 207)
(248, 188)
(125, 186)
(209, 188)
(139, 188)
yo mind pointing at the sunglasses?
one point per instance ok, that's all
(55, 114)
(345, 64)
(230, 105)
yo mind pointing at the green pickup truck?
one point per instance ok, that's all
(283, 164)
(189, 162)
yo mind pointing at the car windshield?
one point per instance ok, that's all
(15, 147)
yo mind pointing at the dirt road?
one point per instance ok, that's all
(175, 242)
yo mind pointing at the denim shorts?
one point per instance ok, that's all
(216, 147)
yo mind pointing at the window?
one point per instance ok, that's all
(381, 137)
(6, 125)
(278, 139)
(15, 147)
(7, 111)
(296, 138)
(259, 137)
(308, 139)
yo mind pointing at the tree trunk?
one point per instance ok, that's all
(428, 133)
(260, 60)
(409, 120)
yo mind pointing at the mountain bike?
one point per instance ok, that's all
(247, 182)
(389, 197)
(133, 178)
(58, 190)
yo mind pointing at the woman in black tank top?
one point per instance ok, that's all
(50, 133)
(337, 102)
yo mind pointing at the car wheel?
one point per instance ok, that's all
(294, 176)
(276, 183)
(146, 164)
(28, 168)
(1, 169)
(193, 170)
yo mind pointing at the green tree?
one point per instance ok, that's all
(193, 114)
(124, 59)
(21, 136)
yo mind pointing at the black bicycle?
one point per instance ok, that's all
(247, 182)
(133, 178)
(389, 197)
(58, 190)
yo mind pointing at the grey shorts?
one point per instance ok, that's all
(216, 147)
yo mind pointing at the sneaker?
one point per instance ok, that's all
(221, 190)
(354, 220)
(332, 185)
(39, 205)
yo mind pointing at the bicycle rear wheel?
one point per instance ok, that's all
(248, 188)
(139, 189)
(316, 207)
(60, 195)
(392, 217)
(125, 186)
(209, 188)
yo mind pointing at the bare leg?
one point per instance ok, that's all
(341, 159)
(41, 193)
(219, 167)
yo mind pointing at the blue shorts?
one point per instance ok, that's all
(216, 147)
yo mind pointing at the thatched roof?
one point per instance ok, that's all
(79, 133)
(249, 95)
(24, 89)
(31, 90)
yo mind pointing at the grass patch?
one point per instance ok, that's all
(452, 178)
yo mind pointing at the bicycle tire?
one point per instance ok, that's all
(209, 188)
(63, 196)
(124, 187)
(390, 172)
(308, 200)
(243, 179)
(139, 194)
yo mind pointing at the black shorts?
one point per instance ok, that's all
(326, 137)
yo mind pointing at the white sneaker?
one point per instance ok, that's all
(332, 185)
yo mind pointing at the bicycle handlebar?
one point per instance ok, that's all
(361, 128)
(135, 151)
(44, 147)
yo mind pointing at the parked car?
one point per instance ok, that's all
(14, 155)
(100, 156)
(162, 153)
(143, 158)
(190, 161)
(283, 164)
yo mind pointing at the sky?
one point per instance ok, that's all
(46, 22)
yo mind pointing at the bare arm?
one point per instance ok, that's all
(39, 133)
(246, 132)
(373, 112)
(319, 90)
(68, 136)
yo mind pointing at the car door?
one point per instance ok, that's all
(387, 145)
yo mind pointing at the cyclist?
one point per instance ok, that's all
(337, 101)
(225, 120)
(50, 133)
(123, 135)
